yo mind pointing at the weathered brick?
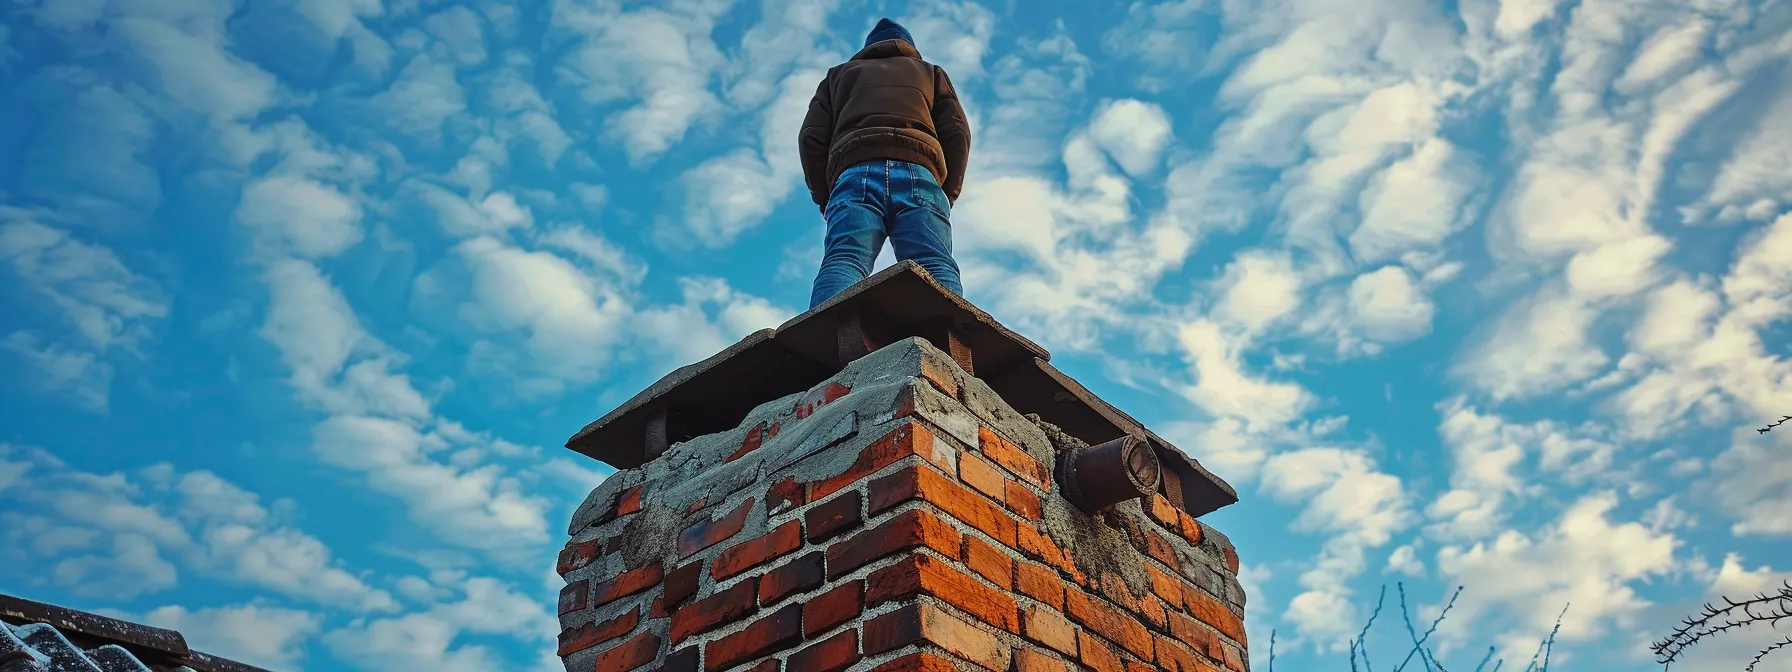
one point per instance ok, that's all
(1023, 500)
(1154, 612)
(801, 574)
(941, 378)
(683, 660)
(1040, 546)
(1208, 610)
(1096, 654)
(910, 529)
(834, 516)
(1234, 659)
(1165, 513)
(917, 662)
(1015, 459)
(906, 439)
(1040, 583)
(755, 437)
(708, 532)
(659, 609)
(785, 494)
(1190, 632)
(1136, 666)
(819, 397)
(755, 552)
(577, 555)
(681, 583)
(575, 596)
(829, 655)
(989, 562)
(625, 584)
(637, 651)
(982, 476)
(828, 610)
(1160, 549)
(772, 633)
(1049, 627)
(699, 505)
(1028, 660)
(928, 485)
(629, 502)
(1231, 556)
(924, 623)
(1108, 621)
(581, 637)
(767, 665)
(715, 611)
(925, 575)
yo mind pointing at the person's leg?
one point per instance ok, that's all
(921, 229)
(855, 216)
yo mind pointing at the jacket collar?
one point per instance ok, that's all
(887, 49)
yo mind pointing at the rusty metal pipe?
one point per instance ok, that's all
(1101, 476)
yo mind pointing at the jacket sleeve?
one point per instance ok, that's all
(814, 140)
(953, 131)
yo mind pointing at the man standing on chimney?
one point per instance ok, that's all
(884, 148)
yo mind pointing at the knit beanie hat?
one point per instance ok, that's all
(888, 30)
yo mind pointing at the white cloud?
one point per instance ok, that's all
(687, 332)
(954, 35)
(300, 216)
(1752, 481)
(1132, 132)
(460, 29)
(1414, 204)
(1584, 558)
(432, 639)
(251, 633)
(459, 217)
(423, 98)
(571, 319)
(103, 299)
(79, 374)
(1259, 288)
(1386, 306)
(661, 60)
(1223, 388)
(1539, 344)
(338, 17)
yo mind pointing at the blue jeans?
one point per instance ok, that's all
(882, 199)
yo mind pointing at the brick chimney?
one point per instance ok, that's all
(892, 481)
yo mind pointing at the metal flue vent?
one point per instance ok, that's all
(1101, 476)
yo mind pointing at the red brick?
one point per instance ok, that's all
(755, 552)
(820, 397)
(1165, 586)
(1023, 501)
(1234, 659)
(681, 583)
(1096, 654)
(755, 437)
(1108, 621)
(982, 476)
(1191, 529)
(928, 485)
(917, 662)
(832, 608)
(914, 528)
(1028, 660)
(924, 623)
(574, 596)
(834, 516)
(637, 651)
(989, 562)
(830, 655)
(770, 634)
(1136, 666)
(709, 532)
(1190, 632)
(1231, 557)
(699, 505)
(908, 438)
(925, 575)
(1154, 612)
(1049, 627)
(659, 610)
(629, 502)
(1160, 549)
(715, 611)
(1208, 610)
(1164, 513)
(1175, 657)
(785, 494)
(626, 584)
(767, 665)
(1040, 583)
(799, 575)
(1037, 545)
(576, 555)
(579, 638)
(1015, 459)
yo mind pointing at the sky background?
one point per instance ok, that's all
(302, 297)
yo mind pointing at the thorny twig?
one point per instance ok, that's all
(1734, 615)
(1770, 649)
(1358, 644)
(1272, 651)
(1547, 645)
(1419, 642)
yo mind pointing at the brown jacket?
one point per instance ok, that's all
(884, 103)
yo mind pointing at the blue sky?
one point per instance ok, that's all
(303, 296)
